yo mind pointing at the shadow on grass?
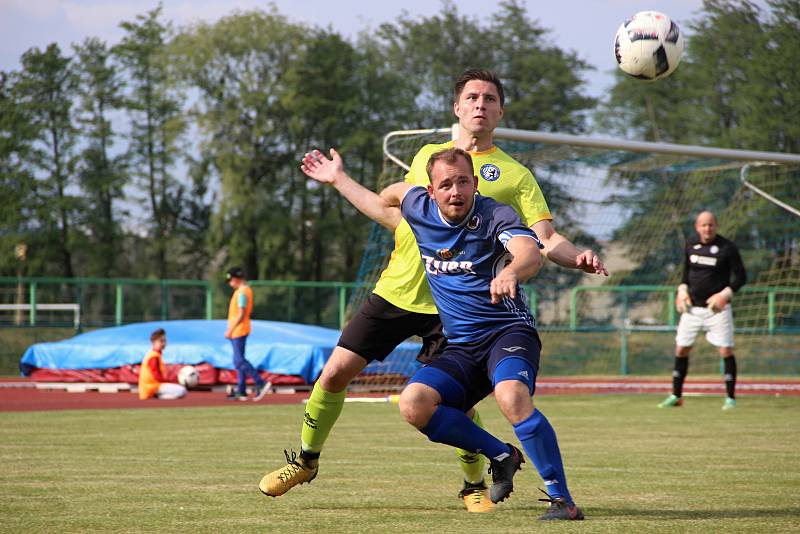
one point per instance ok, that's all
(693, 515)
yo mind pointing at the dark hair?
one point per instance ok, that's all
(478, 74)
(157, 334)
(450, 156)
(234, 272)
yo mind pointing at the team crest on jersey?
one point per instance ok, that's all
(490, 172)
(445, 253)
(714, 249)
(474, 223)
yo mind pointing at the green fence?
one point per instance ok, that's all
(760, 305)
(767, 324)
(590, 330)
(98, 302)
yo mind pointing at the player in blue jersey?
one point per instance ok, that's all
(475, 251)
(401, 305)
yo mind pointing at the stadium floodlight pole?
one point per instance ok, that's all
(645, 146)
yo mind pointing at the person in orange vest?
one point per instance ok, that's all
(239, 310)
(152, 373)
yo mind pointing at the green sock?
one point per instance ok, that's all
(322, 411)
(472, 464)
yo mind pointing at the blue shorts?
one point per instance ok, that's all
(464, 373)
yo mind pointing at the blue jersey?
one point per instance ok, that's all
(461, 261)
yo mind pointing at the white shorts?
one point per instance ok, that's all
(170, 391)
(717, 326)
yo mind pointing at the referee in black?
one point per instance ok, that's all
(712, 272)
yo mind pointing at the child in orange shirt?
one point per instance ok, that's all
(152, 373)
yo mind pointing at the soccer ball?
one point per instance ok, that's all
(648, 46)
(188, 377)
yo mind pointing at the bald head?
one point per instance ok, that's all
(706, 227)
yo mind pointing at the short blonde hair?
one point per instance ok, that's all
(450, 156)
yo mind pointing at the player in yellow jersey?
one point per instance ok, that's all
(401, 305)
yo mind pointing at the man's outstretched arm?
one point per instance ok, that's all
(331, 171)
(559, 250)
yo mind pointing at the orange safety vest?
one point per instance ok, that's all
(233, 311)
(148, 385)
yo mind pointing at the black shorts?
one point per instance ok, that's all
(379, 327)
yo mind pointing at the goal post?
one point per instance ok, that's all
(634, 203)
(34, 308)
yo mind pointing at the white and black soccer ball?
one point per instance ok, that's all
(648, 46)
(188, 377)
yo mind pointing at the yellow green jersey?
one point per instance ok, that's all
(500, 177)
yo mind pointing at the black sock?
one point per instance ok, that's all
(730, 375)
(306, 455)
(679, 375)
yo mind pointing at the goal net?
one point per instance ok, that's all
(635, 204)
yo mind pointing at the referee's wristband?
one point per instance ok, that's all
(727, 294)
(683, 288)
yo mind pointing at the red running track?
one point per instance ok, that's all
(21, 395)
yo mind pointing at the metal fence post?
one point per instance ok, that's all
(32, 316)
(164, 304)
(118, 305)
(342, 305)
(623, 351)
(671, 308)
(771, 311)
(79, 298)
(533, 299)
(573, 309)
(209, 302)
(624, 331)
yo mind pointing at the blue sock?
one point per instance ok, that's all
(539, 441)
(453, 427)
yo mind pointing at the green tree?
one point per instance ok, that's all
(16, 137)
(157, 123)
(777, 111)
(332, 103)
(737, 87)
(238, 65)
(194, 225)
(434, 51)
(102, 175)
(725, 44)
(384, 101)
(270, 90)
(45, 90)
(543, 83)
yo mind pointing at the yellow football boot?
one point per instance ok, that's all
(476, 498)
(295, 472)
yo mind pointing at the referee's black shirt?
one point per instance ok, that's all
(710, 268)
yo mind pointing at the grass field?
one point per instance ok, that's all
(632, 467)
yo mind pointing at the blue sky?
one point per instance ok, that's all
(584, 26)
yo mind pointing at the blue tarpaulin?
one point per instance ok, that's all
(280, 348)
